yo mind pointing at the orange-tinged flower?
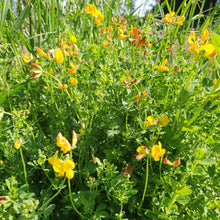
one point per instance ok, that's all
(41, 52)
(205, 36)
(210, 51)
(122, 37)
(58, 56)
(109, 28)
(73, 81)
(164, 120)
(73, 68)
(215, 81)
(137, 98)
(194, 48)
(168, 18)
(179, 20)
(166, 161)
(150, 121)
(63, 143)
(177, 163)
(17, 144)
(104, 43)
(157, 151)
(162, 66)
(142, 152)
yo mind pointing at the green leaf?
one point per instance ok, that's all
(183, 200)
(101, 207)
(4, 95)
(198, 171)
(49, 210)
(101, 214)
(207, 162)
(19, 21)
(4, 12)
(191, 129)
(216, 41)
(184, 191)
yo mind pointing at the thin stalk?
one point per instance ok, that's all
(71, 200)
(146, 182)
(24, 168)
(121, 210)
(53, 195)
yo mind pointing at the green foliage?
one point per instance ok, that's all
(107, 85)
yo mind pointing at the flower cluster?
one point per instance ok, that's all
(156, 152)
(202, 44)
(64, 167)
(92, 10)
(175, 164)
(127, 170)
(170, 19)
(164, 120)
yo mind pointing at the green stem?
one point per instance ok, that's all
(121, 210)
(53, 195)
(145, 187)
(24, 167)
(71, 200)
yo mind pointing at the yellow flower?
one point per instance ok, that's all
(56, 163)
(27, 57)
(73, 81)
(210, 51)
(62, 86)
(58, 56)
(194, 48)
(62, 167)
(142, 152)
(98, 17)
(17, 144)
(192, 37)
(73, 69)
(179, 20)
(63, 143)
(122, 37)
(90, 9)
(104, 43)
(109, 28)
(168, 18)
(162, 66)
(157, 151)
(164, 120)
(150, 121)
(205, 36)
(41, 52)
(67, 167)
(73, 39)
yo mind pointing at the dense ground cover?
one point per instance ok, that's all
(108, 116)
